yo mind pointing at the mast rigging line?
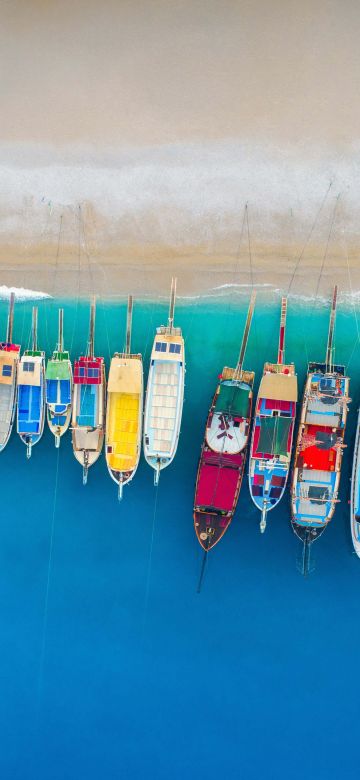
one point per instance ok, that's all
(149, 566)
(327, 245)
(79, 284)
(351, 291)
(312, 228)
(51, 301)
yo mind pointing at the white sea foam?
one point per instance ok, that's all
(21, 294)
(234, 285)
(179, 194)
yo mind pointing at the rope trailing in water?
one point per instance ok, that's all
(148, 573)
(47, 589)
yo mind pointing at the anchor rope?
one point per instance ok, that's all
(79, 283)
(149, 566)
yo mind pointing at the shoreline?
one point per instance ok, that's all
(146, 271)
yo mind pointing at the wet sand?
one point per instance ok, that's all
(147, 271)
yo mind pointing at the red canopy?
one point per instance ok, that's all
(218, 480)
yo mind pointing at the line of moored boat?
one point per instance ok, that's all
(111, 412)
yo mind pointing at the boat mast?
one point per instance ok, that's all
(172, 304)
(329, 349)
(281, 350)
(128, 325)
(34, 327)
(61, 331)
(10, 322)
(239, 365)
(92, 328)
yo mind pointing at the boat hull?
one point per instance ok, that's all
(307, 533)
(88, 440)
(164, 399)
(59, 393)
(28, 437)
(8, 423)
(318, 454)
(217, 490)
(124, 415)
(272, 436)
(355, 493)
(221, 467)
(59, 430)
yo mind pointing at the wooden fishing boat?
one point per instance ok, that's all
(31, 392)
(319, 447)
(223, 452)
(9, 360)
(124, 411)
(88, 413)
(59, 385)
(355, 492)
(273, 430)
(164, 394)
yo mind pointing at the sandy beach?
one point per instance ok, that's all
(133, 135)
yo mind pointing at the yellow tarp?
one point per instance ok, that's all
(123, 430)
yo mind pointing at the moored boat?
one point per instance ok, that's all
(124, 411)
(31, 392)
(319, 448)
(9, 360)
(223, 453)
(355, 492)
(164, 394)
(273, 430)
(59, 383)
(88, 412)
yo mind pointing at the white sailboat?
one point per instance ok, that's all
(164, 394)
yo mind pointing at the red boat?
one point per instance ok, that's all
(223, 453)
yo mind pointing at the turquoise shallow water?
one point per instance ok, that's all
(111, 665)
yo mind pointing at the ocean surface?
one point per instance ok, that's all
(111, 664)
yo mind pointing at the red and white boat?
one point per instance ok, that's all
(223, 452)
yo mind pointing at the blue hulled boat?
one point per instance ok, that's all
(273, 430)
(31, 392)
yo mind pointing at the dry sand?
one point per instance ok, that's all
(162, 119)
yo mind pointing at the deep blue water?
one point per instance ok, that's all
(111, 665)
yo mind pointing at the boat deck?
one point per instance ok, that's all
(123, 431)
(218, 478)
(271, 450)
(7, 393)
(228, 424)
(87, 411)
(30, 400)
(319, 453)
(164, 406)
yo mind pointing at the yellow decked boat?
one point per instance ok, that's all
(124, 412)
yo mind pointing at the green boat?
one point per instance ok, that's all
(59, 387)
